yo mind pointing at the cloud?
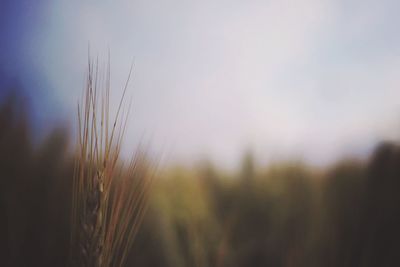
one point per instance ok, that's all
(212, 77)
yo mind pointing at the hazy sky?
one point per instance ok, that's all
(313, 79)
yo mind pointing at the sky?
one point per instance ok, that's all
(310, 79)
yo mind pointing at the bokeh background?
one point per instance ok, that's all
(276, 123)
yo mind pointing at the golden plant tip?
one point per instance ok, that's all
(108, 201)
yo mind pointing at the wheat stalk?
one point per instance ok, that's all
(108, 200)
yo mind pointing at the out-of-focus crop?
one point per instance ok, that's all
(287, 214)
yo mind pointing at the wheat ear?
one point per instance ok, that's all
(108, 200)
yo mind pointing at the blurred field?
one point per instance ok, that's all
(285, 215)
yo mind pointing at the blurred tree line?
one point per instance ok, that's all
(285, 215)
